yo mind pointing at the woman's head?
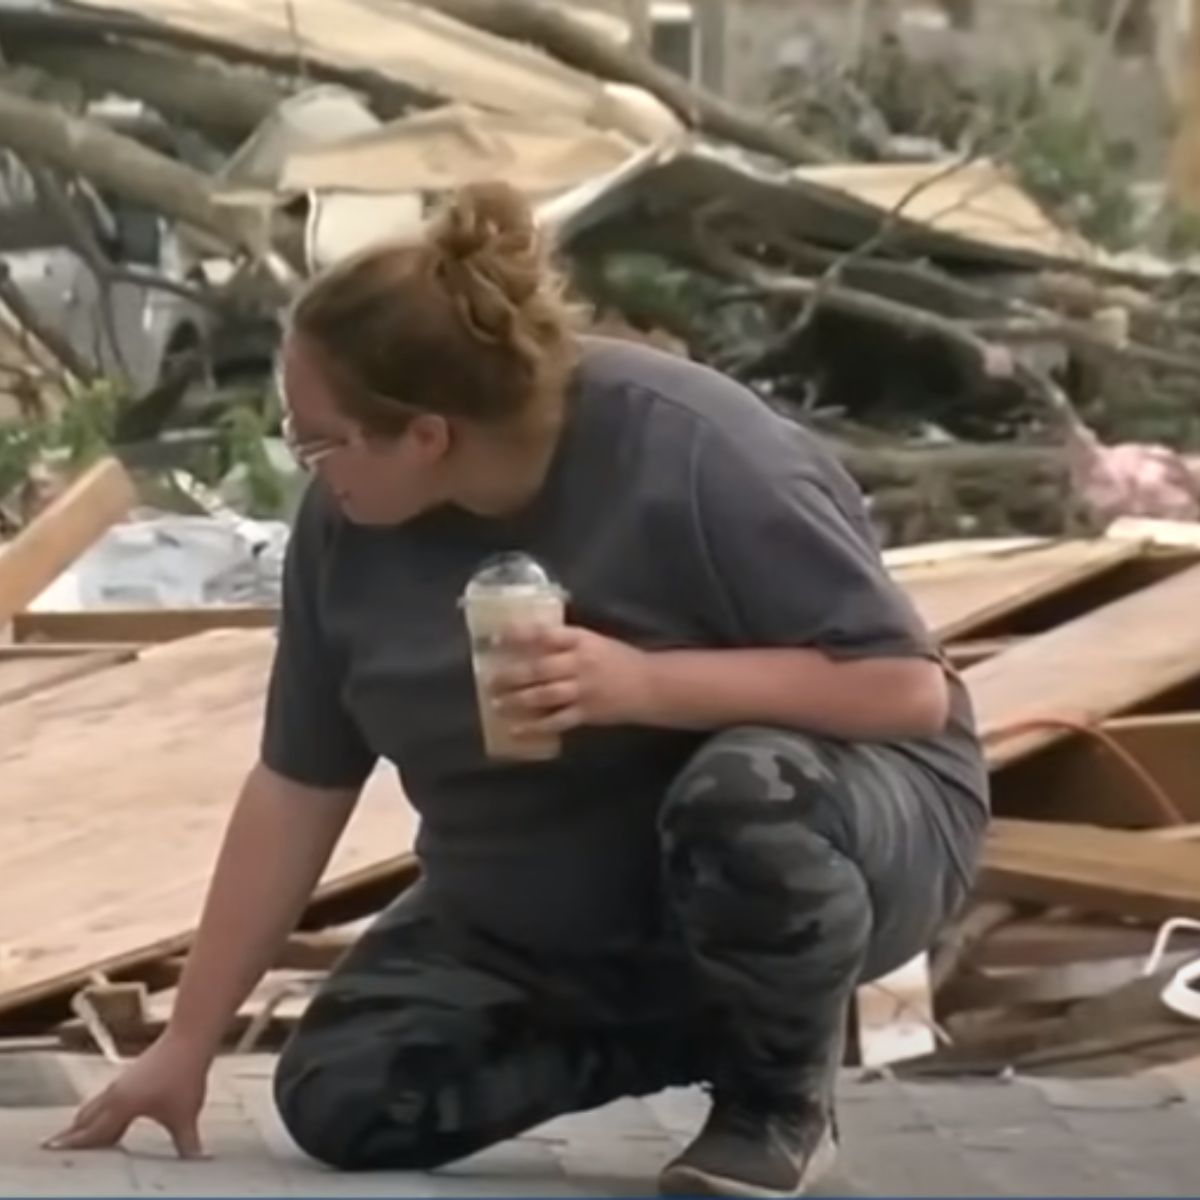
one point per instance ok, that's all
(405, 365)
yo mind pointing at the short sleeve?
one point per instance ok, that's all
(308, 736)
(789, 553)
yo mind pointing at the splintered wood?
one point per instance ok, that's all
(1093, 870)
(959, 595)
(116, 791)
(1101, 664)
(22, 677)
(43, 550)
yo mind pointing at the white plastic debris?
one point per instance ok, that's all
(174, 562)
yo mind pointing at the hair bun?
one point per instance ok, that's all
(482, 217)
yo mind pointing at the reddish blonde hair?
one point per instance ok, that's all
(469, 321)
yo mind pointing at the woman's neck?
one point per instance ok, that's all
(503, 470)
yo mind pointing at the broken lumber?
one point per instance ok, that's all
(138, 625)
(22, 678)
(1051, 941)
(59, 535)
(963, 596)
(111, 846)
(1079, 779)
(1102, 664)
(1091, 870)
(124, 1018)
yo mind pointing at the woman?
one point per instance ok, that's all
(769, 789)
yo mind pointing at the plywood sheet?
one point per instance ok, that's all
(979, 201)
(951, 550)
(1099, 665)
(21, 677)
(1093, 870)
(116, 789)
(1082, 779)
(958, 596)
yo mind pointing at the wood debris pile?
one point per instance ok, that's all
(980, 369)
(1082, 657)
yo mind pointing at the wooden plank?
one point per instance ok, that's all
(34, 651)
(20, 678)
(1046, 942)
(130, 1018)
(320, 951)
(976, 650)
(1102, 664)
(58, 536)
(1107, 871)
(956, 550)
(1080, 778)
(116, 791)
(138, 624)
(1179, 535)
(961, 597)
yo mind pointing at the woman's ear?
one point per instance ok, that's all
(431, 436)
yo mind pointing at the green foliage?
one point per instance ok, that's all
(243, 430)
(84, 428)
(76, 436)
(1061, 153)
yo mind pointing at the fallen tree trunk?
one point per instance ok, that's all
(389, 97)
(575, 44)
(43, 134)
(224, 102)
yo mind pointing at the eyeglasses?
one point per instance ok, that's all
(309, 454)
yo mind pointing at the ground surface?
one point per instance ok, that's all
(1128, 1137)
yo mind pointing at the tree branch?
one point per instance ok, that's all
(40, 133)
(390, 97)
(224, 102)
(972, 351)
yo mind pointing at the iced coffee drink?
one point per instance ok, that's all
(508, 590)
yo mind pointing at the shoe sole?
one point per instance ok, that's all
(681, 1180)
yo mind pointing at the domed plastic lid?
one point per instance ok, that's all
(509, 573)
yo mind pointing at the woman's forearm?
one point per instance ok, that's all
(278, 842)
(864, 699)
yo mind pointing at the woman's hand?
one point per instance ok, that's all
(166, 1085)
(563, 677)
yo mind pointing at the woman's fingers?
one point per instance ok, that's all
(98, 1124)
(539, 699)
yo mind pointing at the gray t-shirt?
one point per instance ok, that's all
(679, 511)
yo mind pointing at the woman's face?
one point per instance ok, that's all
(375, 480)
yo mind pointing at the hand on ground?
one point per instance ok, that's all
(165, 1085)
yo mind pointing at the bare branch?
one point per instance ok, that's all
(389, 96)
(43, 134)
(223, 101)
(81, 239)
(972, 351)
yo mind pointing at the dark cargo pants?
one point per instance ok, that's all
(794, 869)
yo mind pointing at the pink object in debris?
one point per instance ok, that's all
(1133, 479)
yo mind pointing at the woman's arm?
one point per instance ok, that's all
(867, 698)
(279, 840)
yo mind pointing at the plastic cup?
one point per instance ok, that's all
(508, 591)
